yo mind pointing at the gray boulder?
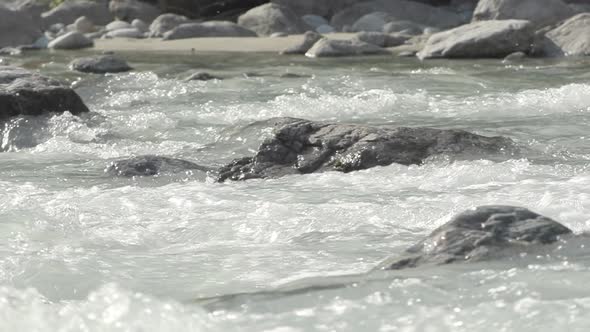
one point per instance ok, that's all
(309, 39)
(165, 23)
(100, 64)
(84, 25)
(150, 165)
(17, 28)
(399, 10)
(116, 25)
(539, 12)
(32, 8)
(301, 146)
(270, 18)
(68, 11)
(572, 38)
(128, 10)
(325, 8)
(71, 41)
(140, 25)
(374, 21)
(382, 39)
(208, 29)
(484, 39)
(125, 33)
(331, 48)
(484, 233)
(23, 92)
(314, 21)
(403, 27)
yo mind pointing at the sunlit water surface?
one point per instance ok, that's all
(82, 251)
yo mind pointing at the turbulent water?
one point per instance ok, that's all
(82, 251)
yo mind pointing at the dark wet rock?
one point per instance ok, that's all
(129, 10)
(572, 38)
(68, 11)
(270, 18)
(538, 12)
(301, 146)
(71, 41)
(333, 48)
(100, 64)
(208, 29)
(480, 234)
(150, 165)
(382, 39)
(293, 75)
(309, 39)
(485, 39)
(202, 76)
(26, 93)
(165, 23)
(17, 28)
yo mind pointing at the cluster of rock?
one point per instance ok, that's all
(463, 29)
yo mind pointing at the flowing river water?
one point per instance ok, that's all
(83, 251)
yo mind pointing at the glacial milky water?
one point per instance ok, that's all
(81, 251)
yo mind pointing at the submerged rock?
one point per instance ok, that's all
(301, 146)
(208, 29)
(480, 234)
(572, 38)
(309, 39)
(202, 76)
(485, 39)
(150, 165)
(331, 47)
(26, 93)
(100, 64)
(71, 41)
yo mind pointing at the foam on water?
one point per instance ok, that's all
(86, 252)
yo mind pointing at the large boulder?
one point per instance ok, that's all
(150, 165)
(270, 18)
(71, 41)
(400, 10)
(23, 92)
(485, 39)
(100, 64)
(572, 38)
(483, 233)
(165, 23)
(33, 8)
(208, 29)
(539, 12)
(307, 42)
(325, 8)
(117, 25)
(17, 28)
(374, 21)
(382, 39)
(84, 25)
(331, 47)
(68, 11)
(301, 146)
(128, 10)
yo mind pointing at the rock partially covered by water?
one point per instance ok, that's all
(331, 47)
(572, 38)
(483, 233)
(71, 41)
(150, 165)
(485, 39)
(301, 146)
(270, 18)
(538, 12)
(202, 76)
(309, 39)
(100, 64)
(208, 29)
(26, 93)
